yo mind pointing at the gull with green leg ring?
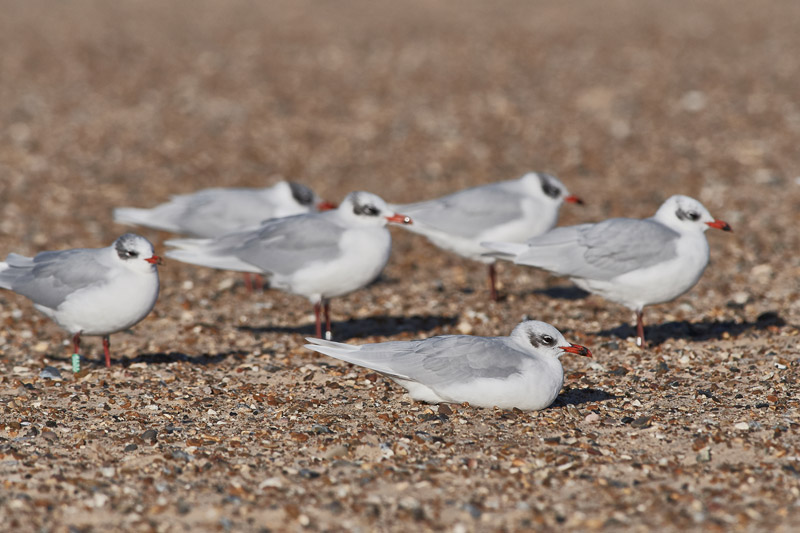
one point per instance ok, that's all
(89, 291)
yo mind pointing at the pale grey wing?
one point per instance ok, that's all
(437, 361)
(559, 250)
(215, 212)
(284, 245)
(602, 251)
(625, 244)
(466, 213)
(50, 277)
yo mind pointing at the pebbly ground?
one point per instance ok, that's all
(214, 418)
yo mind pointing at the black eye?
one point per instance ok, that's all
(687, 215)
(368, 210)
(548, 340)
(550, 190)
(131, 253)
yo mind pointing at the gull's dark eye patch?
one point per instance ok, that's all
(367, 209)
(127, 254)
(301, 193)
(687, 215)
(549, 189)
(125, 247)
(541, 340)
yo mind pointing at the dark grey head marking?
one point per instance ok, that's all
(301, 193)
(687, 215)
(126, 247)
(366, 209)
(548, 187)
(541, 339)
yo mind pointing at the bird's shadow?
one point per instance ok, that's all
(380, 326)
(155, 358)
(581, 396)
(696, 331)
(562, 292)
(206, 359)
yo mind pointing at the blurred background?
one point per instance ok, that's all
(124, 103)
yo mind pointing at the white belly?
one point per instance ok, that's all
(536, 387)
(365, 252)
(659, 283)
(114, 306)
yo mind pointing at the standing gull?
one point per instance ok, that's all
(522, 370)
(513, 211)
(316, 255)
(629, 261)
(89, 291)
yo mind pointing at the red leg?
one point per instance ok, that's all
(106, 346)
(316, 315)
(258, 282)
(76, 343)
(492, 282)
(639, 329)
(248, 281)
(328, 320)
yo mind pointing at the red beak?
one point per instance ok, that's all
(399, 219)
(577, 349)
(720, 224)
(325, 205)
(573, 199)
(155, 260)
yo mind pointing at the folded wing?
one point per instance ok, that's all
(50, 277)
(466, 213)
(435, 362)
(601, 251)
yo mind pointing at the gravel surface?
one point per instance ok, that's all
(214, 418)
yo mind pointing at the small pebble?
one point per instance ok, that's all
(308, 474)
(151, 436)
(642, 422)
(704, 456)
(50, 372)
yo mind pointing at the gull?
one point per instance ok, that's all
(215, 212)
(89, 291)
(634, 262)
(316, 255)
(513, 211)
(522, 370)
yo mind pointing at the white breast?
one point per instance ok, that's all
(659, 283)
(535, 387)
(364, 253)
(114, 305)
